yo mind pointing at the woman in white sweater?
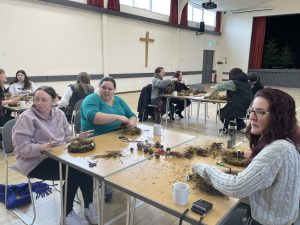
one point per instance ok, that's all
(21, 84)
(272, 179)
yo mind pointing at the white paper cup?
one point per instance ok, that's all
(22, 104)
(180, 193)
(175, 93)
(158, 129)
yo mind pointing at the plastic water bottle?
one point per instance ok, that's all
(231, 134)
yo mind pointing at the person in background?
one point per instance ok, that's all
(158, 87)
(254, 80)
(5, 114)
(74, 93)
(21, 84)
(272, 179)
(39, 128)
(239, 97)
(179, 86)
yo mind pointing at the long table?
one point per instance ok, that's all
(106, 167)
(152, 180)
(197, 98)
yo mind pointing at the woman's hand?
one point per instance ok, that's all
(46, 146)
(86, 134)
(124, 119)
(174, 79)
(247, 154)
(15, 99)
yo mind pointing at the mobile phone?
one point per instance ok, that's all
(201, 206)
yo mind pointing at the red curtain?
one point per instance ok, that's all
(184, 16)
(218, 21)
(174, 12)
(98, 3)
(257, 42)
(114, 5)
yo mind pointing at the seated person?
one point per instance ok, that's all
(239, 97)
(39, 128)
(4, 113)
(104, 112)
(272, 179)
(254, 80)
(158, 87)
(179, 86)
(74, 93)
(21, 85)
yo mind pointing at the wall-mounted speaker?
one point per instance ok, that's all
(202, 27)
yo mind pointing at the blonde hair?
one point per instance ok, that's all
(2, 71)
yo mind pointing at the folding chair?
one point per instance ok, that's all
(77, 124)
(75, 110)
(8, 147)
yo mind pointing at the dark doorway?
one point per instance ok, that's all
(208, 58)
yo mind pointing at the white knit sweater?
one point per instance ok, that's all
(272, 182)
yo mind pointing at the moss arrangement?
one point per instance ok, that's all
(79, 145)
(204, 185)
(216, 96)
(213, 150)
(130, 130)
(234, 158)
(109, 154)
(170, 88)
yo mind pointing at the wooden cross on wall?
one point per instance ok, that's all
(146, 40)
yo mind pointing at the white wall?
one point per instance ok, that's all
(236, 34)
(47, 39)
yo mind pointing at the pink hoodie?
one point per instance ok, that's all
(32, 130)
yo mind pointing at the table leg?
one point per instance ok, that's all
(98, 200)
(205, 111)
(197, 119)
(62, 212)
(102, 202)
(167, 108)
(218, 113)
(185, 117)
(130, 209)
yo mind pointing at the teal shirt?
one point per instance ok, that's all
(93, 104)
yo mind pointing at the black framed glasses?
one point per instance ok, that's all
(258, 112)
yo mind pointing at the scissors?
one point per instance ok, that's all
(220, 164)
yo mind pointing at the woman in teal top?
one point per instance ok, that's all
(103, 112)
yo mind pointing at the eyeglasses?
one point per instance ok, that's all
(258, 112)
(41, 100)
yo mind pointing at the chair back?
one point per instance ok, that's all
(76, 109)
(199, 87)
(7, 136)
(77, 124)
(77, 105)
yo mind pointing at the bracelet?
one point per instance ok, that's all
(229, 170)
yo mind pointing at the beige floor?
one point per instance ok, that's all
(49, 208)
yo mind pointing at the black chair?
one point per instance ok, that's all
(75, 110)
(77, 123)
